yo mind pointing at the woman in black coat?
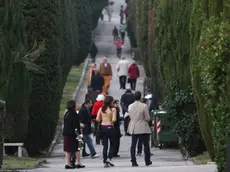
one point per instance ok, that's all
(70, 128)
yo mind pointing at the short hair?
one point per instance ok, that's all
(87, 101)
(137, 95)
(71, 104)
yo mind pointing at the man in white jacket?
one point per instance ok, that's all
(122, 70)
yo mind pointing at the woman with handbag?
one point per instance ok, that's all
(71, 131)
(107, 116)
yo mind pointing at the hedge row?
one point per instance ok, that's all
(186, 45)
(40, 41)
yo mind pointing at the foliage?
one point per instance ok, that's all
(22, 163)
(214, 68)
(2, 114)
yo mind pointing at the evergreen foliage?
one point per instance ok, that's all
(2, 114)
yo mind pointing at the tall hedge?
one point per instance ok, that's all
(14, 73)
(210, 73)
(42, 25)
(2, 114)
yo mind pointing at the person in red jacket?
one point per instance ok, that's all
(97, 105)
(134, 73)
(119, 45)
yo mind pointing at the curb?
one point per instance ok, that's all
(59, 123)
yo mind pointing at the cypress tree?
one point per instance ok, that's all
(42, 25)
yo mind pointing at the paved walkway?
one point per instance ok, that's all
(163, 160)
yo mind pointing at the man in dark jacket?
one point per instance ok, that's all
(93, 52)
(126, 99)
(85, 120)
(97, 82)
(91, 95)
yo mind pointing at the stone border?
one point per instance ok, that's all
(58, 130)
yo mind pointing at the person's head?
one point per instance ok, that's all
(93, 65)
(115, 27)
(118, 39)
(122, 6)
(88, 103)
(104, 60)
(89, 88)
(144, 100)
(133, 62)
(122, 58)
(148, 91)
(116, 103)
(100, 97)
(108, 103)
(71, 105)
(137, 95)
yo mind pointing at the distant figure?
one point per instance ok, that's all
(126, 99)
(97, 82)
(122, 32)
(122, 70)
(115, 34)
(93, 52)
(91, 72)
(105, 70)
(102, 14)
(134, 73)
(121, 14)
(119, 45)
(139, 128)
(109, 11)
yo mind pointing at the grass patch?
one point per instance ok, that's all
(12, 162)
(70, 86)
(202, 159)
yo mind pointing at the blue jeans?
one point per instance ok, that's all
(88, 140)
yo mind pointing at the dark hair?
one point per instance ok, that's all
(137, 95)
(144, 100)
(115, 101)
(87, 101)
(107, 103)
(71, 105)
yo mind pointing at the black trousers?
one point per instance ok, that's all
(133, 83)
(126, 123)
(119, 50)
(122, 80)
(145, 140)
(117, 141)
(123, 37)
(108, 136)
(95, 133)
(139, 146)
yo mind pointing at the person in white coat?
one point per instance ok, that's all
(122, 70)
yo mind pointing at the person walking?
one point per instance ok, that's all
(97, 82)
(105, 70)
(122, 70)
(109, 11)
(93, 52)
(126, 99)
(71, 124)
(96, 107)
(91, 95)
(115, 34)
(107, 116)
(122, 33)
(102, 14)
(139, 128)
(117, 129)
(134, 73)
(119, 45)
(121, 14)
(85, 119)
(91, 72)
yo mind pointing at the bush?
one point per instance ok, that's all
(42, 25)
(2, 113)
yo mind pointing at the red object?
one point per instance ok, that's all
(95, 109)
(118, 44)
(133, 72)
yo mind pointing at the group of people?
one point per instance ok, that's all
(104, 113)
